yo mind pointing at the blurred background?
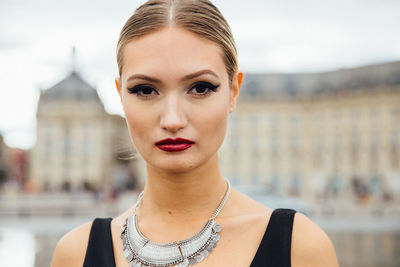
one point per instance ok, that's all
(317, 126)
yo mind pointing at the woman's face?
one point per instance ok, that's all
(174, 84)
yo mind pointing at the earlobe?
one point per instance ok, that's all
(118, 86)
(236, 85)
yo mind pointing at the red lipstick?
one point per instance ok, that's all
(174, 145)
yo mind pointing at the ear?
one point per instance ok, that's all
(118, 86)
(235, 90)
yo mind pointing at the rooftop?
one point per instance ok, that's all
(307, 84)
(73, 87)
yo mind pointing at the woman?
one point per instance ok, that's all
(178, 83)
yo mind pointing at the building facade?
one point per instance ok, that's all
(4, 161)
(317, 135)
(78, 143)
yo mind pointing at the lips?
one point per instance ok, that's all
(174, 145)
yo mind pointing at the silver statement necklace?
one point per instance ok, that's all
(141, 252)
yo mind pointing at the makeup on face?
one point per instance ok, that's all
(174, 145)
(147, 87)
(199, 89)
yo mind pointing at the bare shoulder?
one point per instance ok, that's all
(311, 246)
(245, 203)
(71, 248)
(245, 212)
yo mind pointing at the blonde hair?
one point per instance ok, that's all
(197, 16)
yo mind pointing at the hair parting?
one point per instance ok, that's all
(200, 17)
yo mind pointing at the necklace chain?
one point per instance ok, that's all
(221, 205)
(219, 208)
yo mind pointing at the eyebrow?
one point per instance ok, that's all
(185, 78)
(199, 73)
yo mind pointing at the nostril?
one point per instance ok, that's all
(173, 123)
(174, 116)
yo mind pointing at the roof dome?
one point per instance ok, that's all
(73, 87)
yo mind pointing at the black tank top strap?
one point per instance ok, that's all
(100, 248)
(275, 246)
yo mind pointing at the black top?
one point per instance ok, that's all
(274, 249)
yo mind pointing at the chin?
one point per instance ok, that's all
(171, 164)
(175, 167)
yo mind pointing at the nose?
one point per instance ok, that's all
(173, 117)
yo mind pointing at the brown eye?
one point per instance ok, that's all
(142, 90)
(147, 90)
(203, 88)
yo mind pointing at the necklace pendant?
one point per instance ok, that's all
(141, 252)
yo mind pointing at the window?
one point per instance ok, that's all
(394, 156)
(394, 149)
(47, 143)
(47, 147)
(317, 159)
(67, 140)
(86, 147)
(374, 114)
(274, 147)
(374, 138)
(354, 152)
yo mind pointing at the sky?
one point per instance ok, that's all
(36, 40)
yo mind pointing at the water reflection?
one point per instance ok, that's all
(17, 247)
(45, 245)
(30, 241)
(367, 249)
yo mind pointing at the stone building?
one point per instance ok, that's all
(335, 133)
(78, 143)
(4, 161)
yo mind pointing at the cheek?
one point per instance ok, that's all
(138, 123)
(213, 120)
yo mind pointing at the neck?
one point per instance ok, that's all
(190, 194)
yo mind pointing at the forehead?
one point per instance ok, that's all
(172, 51)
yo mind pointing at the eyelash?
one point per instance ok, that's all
(138, 89)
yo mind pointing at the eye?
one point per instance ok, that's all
(203, 88)
(143, 90)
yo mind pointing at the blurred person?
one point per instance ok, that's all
(179, 81)
(31, 187)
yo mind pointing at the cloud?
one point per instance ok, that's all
(10, 44)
